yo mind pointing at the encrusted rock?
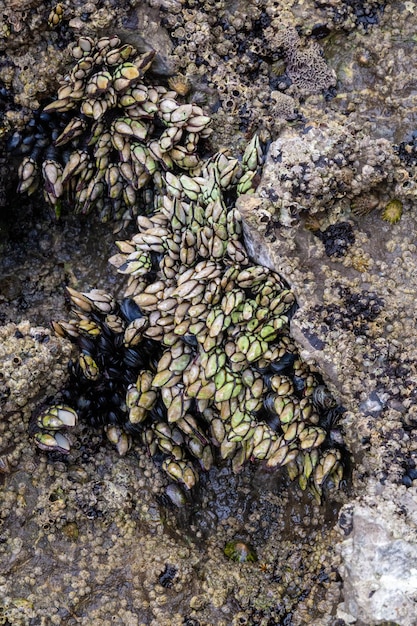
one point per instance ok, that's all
(316, 167)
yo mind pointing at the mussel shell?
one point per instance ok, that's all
(285, 362)
(130, 310)
(322, 398)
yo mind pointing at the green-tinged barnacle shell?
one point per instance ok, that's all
(393, 211)
(164, 377)
(181, 471)
(52, 175)
(52, 442)
(281, 453)
(73, 129)
(312, 437)
(246, 183)
(66, 329)
(98, 83)
(101, 301)
(198, 124)
(171, 136)
(253, 156)
(134, 332)
(76, 163)
(214, 362)
(60, 106)
(124, 75)
(189, 186)
(57, 417)
(116, 55)
(28, 170)
(293, 430)
(240, 551)
(118, 437)
(132, 396)
(56, 15)
(88, 366)
(329, 460)
(263, 440)
(130, 128)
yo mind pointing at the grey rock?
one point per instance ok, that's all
(379, 559)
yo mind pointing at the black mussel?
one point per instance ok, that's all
(87, 345)
(44, 116)
(115, 417)
(130, 310)
(330, 418)
(272, 421)
(133, 358)
(322, 398)
(29, 140)
(407, 481)
(158, 412)
(285, 362)
(190, 340)
(131, 375)
(168, 575)
(299, 384)
(105, 343)
(269, 403)
(114, 373)
(41, 142)
(14, 141)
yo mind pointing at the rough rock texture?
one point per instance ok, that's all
(354, 276)
(311, 168)
(379, 557)
(33, 366)
(78, 537)
(90, 538)
(26, 354)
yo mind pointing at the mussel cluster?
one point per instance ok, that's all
(198, 359)
(108, 134)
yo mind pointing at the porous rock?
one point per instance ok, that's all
(379, 558)
(26, 353)
(315, 167)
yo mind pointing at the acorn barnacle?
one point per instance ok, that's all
(393, 211)
(180, 83)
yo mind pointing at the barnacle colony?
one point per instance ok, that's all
(112, 133)
(198, 356)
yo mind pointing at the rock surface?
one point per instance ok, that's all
(379, 557)
(98, 522)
